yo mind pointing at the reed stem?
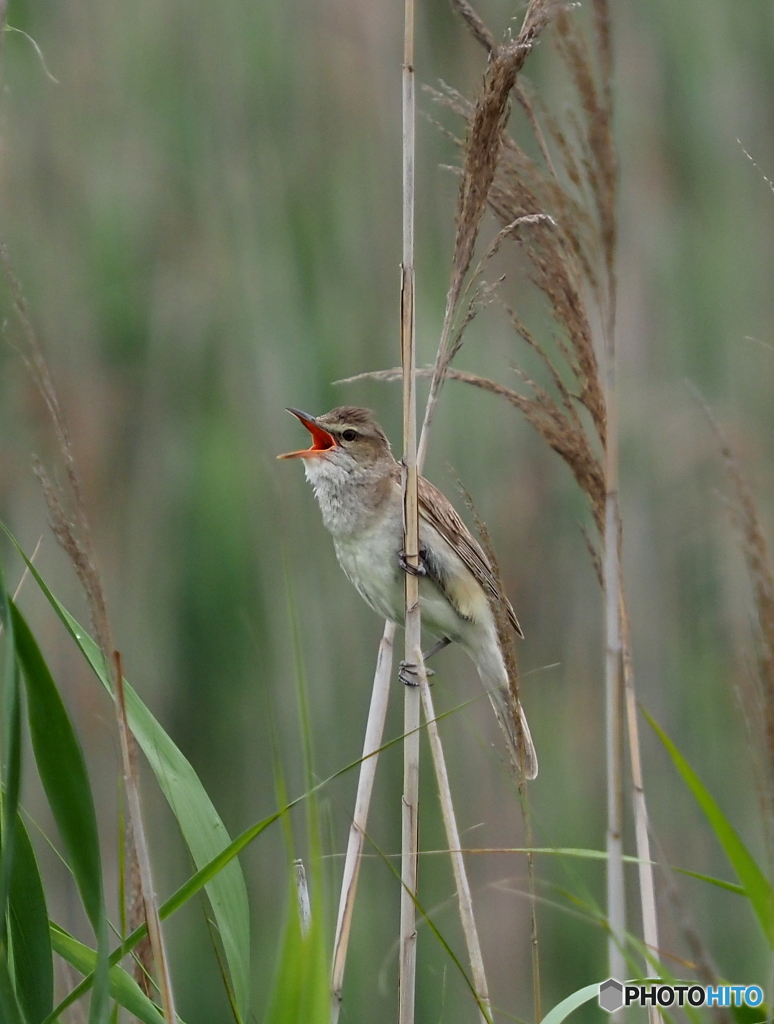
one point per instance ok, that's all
(373, 740)
(616, 894)
(458, 864)
(413, 625)
(640, 810)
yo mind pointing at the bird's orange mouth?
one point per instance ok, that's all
(322, 441)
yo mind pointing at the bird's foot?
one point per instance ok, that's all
(408, 673)
(413, 570)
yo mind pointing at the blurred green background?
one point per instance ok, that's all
(205, 214)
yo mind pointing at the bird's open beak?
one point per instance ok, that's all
(322, 441)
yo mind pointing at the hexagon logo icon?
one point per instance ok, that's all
(611, 995)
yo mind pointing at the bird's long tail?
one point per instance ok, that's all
(513, 722)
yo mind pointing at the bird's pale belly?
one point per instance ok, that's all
(371, 563)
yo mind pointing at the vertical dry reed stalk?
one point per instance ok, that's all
(598, 108)
(413, 624)
(464, 896)
(616, 890)
(75, 538)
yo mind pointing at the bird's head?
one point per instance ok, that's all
(348, 437)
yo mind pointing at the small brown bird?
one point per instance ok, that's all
(357, 483)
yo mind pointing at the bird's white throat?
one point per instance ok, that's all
(345, 492)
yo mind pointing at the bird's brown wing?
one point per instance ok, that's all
(436, 509)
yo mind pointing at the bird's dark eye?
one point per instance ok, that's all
(349, 435)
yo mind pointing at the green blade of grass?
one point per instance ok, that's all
(302, 989)
(585, 854)
(570, 1003)
(583, 995)
(11, 778)
(28, 918)
(201, 825)
(123, 988)
(199, 880)
(63, 773)
(178, 899)
(10, 720)
(10, 1010)
(757, 887)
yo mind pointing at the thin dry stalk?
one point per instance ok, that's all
(601, 172)
(611, 570)
(464, 898)
(413, 624)
(143, 859)
(641, 825)
(135, 914)
(534, 944)
(75, 539)
(373, 740)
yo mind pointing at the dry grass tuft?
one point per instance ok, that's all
(73, 533)
(486, 128)
(486, 124)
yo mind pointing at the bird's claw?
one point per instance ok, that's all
(408, 673)
(412, 570)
